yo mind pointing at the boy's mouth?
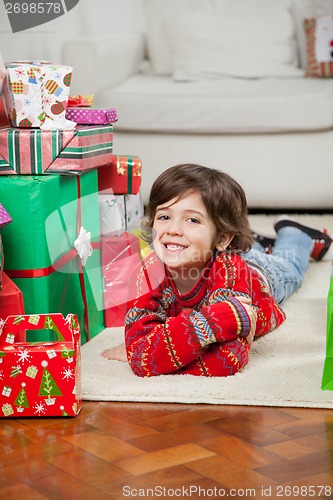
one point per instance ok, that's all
(172, 247)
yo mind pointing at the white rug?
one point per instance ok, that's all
(285, 367)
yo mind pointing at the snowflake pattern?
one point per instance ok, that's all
(39, 408)
(19, 71)
(27, 102)
(47, 100)
(23, 355)
(67, 373)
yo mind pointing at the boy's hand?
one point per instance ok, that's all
(252, 315)
(117, 353)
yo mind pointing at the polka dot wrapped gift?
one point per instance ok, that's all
(5, 218)
(92, 116)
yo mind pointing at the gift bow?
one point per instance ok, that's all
(80, 100)
(83, 246)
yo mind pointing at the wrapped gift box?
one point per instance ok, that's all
(120, 256)
(27, 152)
(36, 93)
(121, 176)
(119, 212)
(92, 116)
(43, 379)
(11, 299)
(48, 212)
(5, 218)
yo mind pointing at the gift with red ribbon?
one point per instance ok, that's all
(40, 379)
(121, 176)
(45, 248)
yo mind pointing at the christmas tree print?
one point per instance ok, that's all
(21, 401)
(66, 352)
(16, 370)
(50, 325)
(74, 323)
(48, 387)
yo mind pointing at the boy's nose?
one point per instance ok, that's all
(174, 227)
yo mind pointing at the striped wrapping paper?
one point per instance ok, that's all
(35, 151)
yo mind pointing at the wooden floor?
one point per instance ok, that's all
(142, 450)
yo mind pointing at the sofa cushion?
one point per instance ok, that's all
(319, 33)
(227, 105)
(247, 42)
(159, 49)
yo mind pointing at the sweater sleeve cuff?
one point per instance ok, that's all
(241, 316)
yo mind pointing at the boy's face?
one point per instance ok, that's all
(184, 234)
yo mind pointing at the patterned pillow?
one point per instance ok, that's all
(319, 46)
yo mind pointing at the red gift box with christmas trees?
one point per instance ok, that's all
(40, 379)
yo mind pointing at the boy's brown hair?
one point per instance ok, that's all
(223, 197)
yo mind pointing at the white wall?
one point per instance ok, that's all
(88, 17)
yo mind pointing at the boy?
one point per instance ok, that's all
(203, 294)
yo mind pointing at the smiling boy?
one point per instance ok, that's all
(205, 304)
(206, 292)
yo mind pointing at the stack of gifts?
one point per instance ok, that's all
(55, 158)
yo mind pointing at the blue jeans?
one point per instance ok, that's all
(285, 267)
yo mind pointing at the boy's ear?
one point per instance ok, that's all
(224, 242)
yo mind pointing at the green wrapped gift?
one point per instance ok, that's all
(48, 213)
(327, 378)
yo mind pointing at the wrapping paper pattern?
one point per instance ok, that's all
(44, 379)
(119, 212)
(37, 151)
(92, 116)
(34, 92)
(121, 176)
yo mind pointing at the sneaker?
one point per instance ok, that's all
(267, 242)
(322, 241)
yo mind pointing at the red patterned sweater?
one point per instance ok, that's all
(202, 332)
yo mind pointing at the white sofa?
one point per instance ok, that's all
(249, 110)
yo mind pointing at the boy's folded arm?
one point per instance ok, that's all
(157, 344)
